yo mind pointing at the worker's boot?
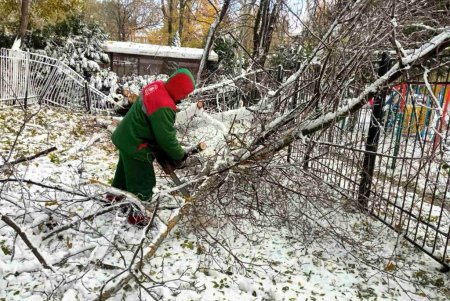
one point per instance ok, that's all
(114, 197)
(139, 219)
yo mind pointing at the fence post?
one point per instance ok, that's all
(280, 75)
(87, 97)
(372, 139)
(293, 105)
(27, 75)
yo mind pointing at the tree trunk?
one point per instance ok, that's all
(121, 22)
(258, 28)
(270, 28)
(265, 24)
(23, 20)
(170, 23)
(181, 20)
(210, 38)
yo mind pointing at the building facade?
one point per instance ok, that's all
(128, 58)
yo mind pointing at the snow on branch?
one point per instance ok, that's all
(294, 77)
(434, 46)
(126, 276)
(213, 175)
(427, 27)
(55, 260)
(29, 158)
(27, 241)
(224, 83)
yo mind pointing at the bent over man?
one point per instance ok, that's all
(146, 129)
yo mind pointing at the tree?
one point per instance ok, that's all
(245, 183)
(16, 19)
(23, 20)
(168, 14)
(265, 24)
(126, 18)
(74, 41)
(190, 19)
(210, 37)
(181, 13)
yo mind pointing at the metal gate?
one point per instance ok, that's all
(392, 158)
(33, 78)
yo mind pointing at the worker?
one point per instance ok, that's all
(148, 129)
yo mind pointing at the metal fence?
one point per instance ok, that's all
(27, 78)
(392, 157)
(242, 92)
(395, 163)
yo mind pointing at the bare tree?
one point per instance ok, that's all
(266, 21)
(128, 17)
(210, 37)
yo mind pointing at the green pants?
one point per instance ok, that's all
(135, 176)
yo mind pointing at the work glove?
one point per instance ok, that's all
(169, 165)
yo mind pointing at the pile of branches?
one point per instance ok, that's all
(339, 76)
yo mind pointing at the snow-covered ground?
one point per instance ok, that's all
(345, 256)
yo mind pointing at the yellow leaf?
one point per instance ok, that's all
(51, 203)
(390, 266)
(94, 181)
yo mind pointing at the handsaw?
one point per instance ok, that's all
(175, 179)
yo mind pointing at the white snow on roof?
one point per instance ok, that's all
(157, 50)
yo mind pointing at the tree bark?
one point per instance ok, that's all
(25, 239)
(265, 24)
(23, 19)
(181, 19)
(210, 38)
(268, 34)
(170, 23)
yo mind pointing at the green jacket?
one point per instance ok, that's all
(149, 126)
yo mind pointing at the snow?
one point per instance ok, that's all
(71, 295)
(276, 264)
(226, 84)
(16, 45)
(157, 50)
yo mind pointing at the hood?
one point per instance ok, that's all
(180, 84)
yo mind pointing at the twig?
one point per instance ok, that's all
(153, 247)
(25, 239)
(42, 153)
(70, 225)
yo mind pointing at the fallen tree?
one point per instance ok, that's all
(281, 132)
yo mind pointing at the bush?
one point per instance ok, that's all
(226, 50)
(74, 42)
(6, 40)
